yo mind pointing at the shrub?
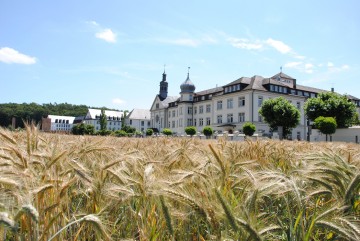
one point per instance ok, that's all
(128, 129)
(190, 130)
(167, 132)
(248, 129)
(83, 129)
(208, 131)
(121, 133)
(104, 132)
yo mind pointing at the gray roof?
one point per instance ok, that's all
(242, 80)
(256, 83)
(165, 103)
(273, 81)
(282, 75)
(310, 89)
(351, 97)
(139, 114)
(92, 113)
(188, 86)
(209, 91)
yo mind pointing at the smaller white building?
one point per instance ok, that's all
(61, 123)
(139, 119)
(114, 119)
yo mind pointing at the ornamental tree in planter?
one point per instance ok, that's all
(208, 131)
(167, 132)
(190, 130)
(149, 132)
(248, 129)
(326, 125)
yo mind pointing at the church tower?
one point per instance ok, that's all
(163, 87)
(187, 89)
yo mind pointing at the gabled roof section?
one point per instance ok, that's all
(283, 76)
(256, 83)
(163, 104)
(139, 114)
(273, 81)
(242, 80)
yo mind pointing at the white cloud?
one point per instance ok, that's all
(332, 68)
(94, 23)
(278, 45)
(185, 42)
(118, 101)
(300, 66)
(107, 34)
(245, 44)
(345, 67)
(12, 56)
(309, 68)
(299, 57)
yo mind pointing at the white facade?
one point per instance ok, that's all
(140, 119)
(61, 123)
(114, 119)
(227, 108)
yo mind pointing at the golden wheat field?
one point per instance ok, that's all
(64, 187)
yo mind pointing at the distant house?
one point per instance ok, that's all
(114, 119)
(57, 123)
(139, 119)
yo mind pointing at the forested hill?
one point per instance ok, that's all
(33, 111)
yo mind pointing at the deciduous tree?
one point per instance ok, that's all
(280, 112)
(331, 104)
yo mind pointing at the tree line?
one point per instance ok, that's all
(35, 112)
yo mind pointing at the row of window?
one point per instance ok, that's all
(286, 90)
(203, 97)
(109, 117)
(143, 122)
(116, 123)
(61, 121)
(207, 120)
(63, 125)
(219, 106)
(232, 88)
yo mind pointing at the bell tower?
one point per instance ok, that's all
(163, 87)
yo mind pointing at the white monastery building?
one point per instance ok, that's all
(58, 123)
(228, 107)
(114, 119)
(139, 119)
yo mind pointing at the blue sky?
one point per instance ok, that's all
(112, 53)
